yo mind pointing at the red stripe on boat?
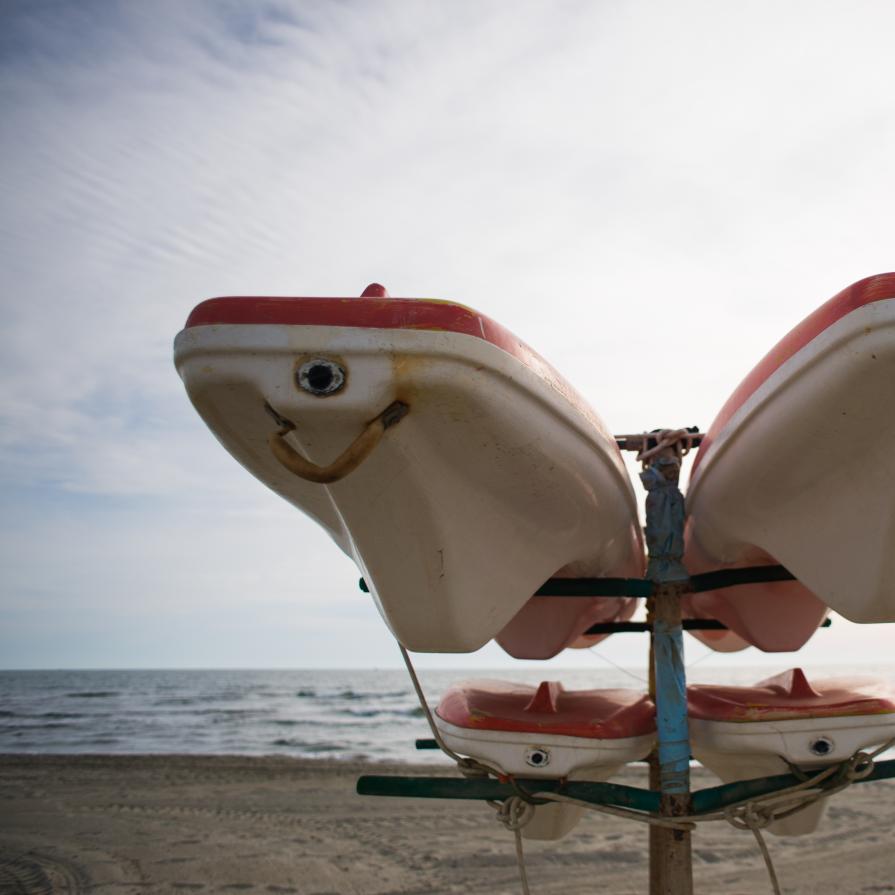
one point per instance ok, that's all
(864, 292)
(368, 312)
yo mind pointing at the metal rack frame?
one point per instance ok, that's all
(669, 794)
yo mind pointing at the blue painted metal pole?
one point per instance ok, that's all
(671, 870)
(671, 698)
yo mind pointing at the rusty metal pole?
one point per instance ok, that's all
(655, 834)
(671, 870)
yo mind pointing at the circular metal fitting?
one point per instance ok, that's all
(537, 758)
(320, 377)
(821, 747)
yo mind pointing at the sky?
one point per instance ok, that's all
(650, 194)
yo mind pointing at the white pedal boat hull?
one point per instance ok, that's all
(795, 471)
(484, 720)
(766, 739)
(734, 753)
(574, 757)
(571, 757)
(498, 478)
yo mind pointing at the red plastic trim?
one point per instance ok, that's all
(790, 696)
(366, 312)
(590, 714)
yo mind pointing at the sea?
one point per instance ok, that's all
(370, 715)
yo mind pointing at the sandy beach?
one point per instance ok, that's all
(148, 824)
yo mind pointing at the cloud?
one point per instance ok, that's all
(632, 188)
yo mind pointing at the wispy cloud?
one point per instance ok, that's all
(616, 182)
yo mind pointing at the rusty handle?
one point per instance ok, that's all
(348, 460)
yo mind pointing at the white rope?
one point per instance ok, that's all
(624, 813)
(680, 440)
(636, 677)
(515, 813)
(469, 767)
(702, 658)
(766, 855)
(520, 862)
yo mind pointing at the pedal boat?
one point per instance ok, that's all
(549, 733)
(795, 471)
(740, 733)
(489, 474)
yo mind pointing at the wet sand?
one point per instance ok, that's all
(180, 824)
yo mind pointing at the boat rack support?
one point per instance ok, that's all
(688, 624)
(704, 801)
(666, 581)
(644, 588)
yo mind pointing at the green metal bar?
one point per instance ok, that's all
(717, 798)
(688, 624)
(595, 587)
(488, 789)
(705, 801)
(639, 587)
(734, 577)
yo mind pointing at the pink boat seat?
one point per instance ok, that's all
(548, 709)
(789, 696)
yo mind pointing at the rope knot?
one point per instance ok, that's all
(749, 817)
(469, 767)
(859, 767)
(515, 813)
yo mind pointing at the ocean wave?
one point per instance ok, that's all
(370, 694)
(415, 712)
(53, 725)
(306, 747)
(93, 694)
(299, 722)
(340, 724)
